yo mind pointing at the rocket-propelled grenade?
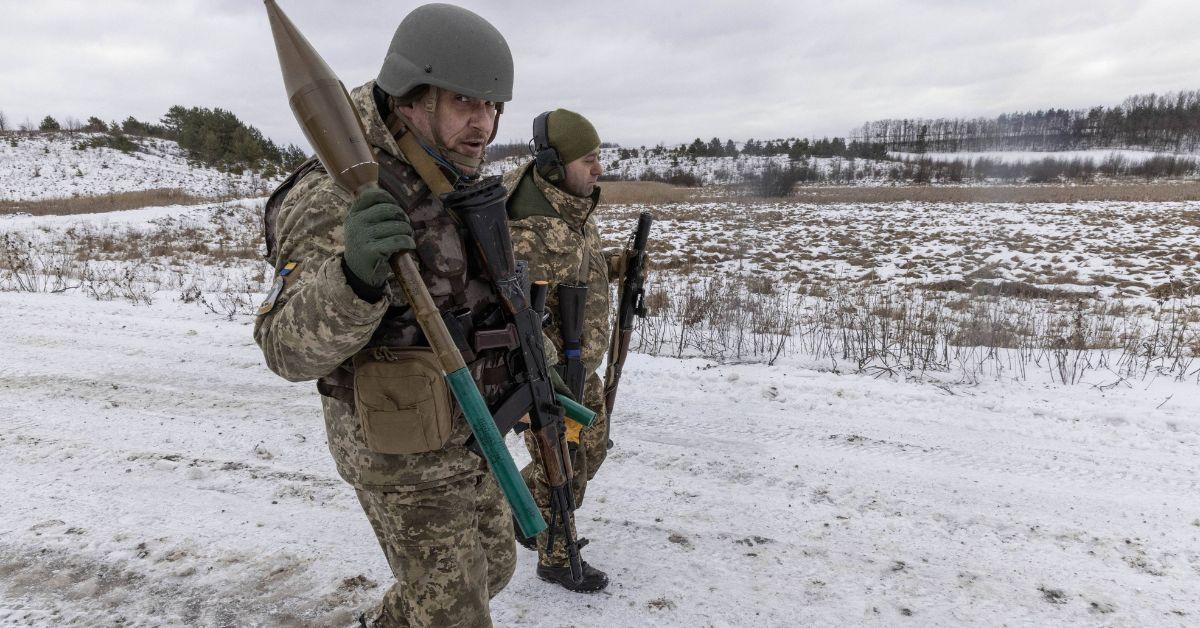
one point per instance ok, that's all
(322, 107)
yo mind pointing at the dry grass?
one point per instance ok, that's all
(1157, 192)
(889, 329)
(103, 203)
(643, 192)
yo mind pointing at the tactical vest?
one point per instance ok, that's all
(455, 279)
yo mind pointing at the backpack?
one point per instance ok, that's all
(275, 202)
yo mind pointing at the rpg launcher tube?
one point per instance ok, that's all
(323, 108)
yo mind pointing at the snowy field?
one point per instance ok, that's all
(49, 166)
(1106, 248)
(158, 474)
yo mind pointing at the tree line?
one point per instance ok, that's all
(794, 148)
(1168, 122)
(212, 137)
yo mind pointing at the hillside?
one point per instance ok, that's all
(650, 165)
(55, 165)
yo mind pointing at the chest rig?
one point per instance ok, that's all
(456, 281)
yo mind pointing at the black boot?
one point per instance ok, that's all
(529, 543)
(593, 579)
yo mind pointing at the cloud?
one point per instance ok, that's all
(644, 72)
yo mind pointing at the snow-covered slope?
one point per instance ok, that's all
(718, 170)
(49, 165)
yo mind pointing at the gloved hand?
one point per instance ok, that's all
(376, 228)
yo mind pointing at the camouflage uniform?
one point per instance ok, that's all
(562, 245)
(439, 515)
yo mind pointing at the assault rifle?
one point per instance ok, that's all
(633, 284)
(481, 209)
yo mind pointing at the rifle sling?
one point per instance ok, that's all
(508, 414)
(426, 168)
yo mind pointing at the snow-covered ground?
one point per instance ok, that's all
(1105, 248)
(1095, 155)
(49, 165)
(157, 474)
(1110, 248)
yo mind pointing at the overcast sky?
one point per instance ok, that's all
(643, 72)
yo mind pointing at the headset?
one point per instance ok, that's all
(545, 156)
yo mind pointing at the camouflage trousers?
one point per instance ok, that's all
(593, 448)
(450, 547)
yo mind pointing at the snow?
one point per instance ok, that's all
(157, 473)
(49, 165)
(145, 217)
(1108, 248)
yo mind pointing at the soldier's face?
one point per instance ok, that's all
(583, 173)
(464, 124)
(461, 123)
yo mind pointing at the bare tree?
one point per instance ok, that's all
(71, 124)
(3, 121)
(27, 126)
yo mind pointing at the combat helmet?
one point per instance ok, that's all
(451, 48)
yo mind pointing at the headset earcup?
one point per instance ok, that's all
(546, 158)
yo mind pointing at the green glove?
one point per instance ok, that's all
(376, 228)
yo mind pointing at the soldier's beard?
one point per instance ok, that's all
(465, 163)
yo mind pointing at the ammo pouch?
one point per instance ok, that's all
(402, 400)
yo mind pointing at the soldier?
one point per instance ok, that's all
(336, 314)
(550, 208)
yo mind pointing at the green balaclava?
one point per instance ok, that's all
(571, 135)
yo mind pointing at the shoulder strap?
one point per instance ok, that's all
(275, 202)
(424, 165)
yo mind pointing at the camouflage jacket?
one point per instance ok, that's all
(563, 246)
(317, 323)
